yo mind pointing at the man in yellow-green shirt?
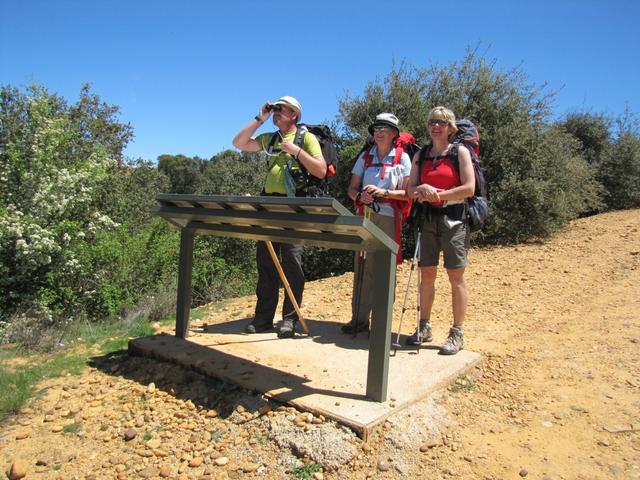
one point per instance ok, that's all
(286, 162)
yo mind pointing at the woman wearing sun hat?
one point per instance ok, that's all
(437, 185)
(376, 180)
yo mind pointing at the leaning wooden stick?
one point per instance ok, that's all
(286, 285)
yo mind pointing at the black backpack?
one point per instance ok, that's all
(477, 206)
(309, 185)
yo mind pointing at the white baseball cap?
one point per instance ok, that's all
(292, 103)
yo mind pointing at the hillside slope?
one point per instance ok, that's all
(557, 395)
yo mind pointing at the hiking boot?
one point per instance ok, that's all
(287, 328)
(353, 328)
(421, 335)
(454, 343)
(258, 328)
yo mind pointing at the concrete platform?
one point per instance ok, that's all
(324, 373)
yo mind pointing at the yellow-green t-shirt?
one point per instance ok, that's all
(274, 183)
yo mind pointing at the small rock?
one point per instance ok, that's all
(220, 461)
(18, 469)
(41, 463)
(153, 443)
(318, 476)
(618, 428)
(22, 435)
(57, 428)
(428, 446)
(250, 467)
(148, 472)
(151, 388)
(523, 472)
(383, 466)
(165, 472)
(196, 462)
(130, 434)
(616, 470)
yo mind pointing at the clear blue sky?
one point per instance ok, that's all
(188, 74)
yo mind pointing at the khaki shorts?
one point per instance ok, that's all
(441, 234)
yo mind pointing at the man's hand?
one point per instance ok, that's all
(265, 111)
(289, 147)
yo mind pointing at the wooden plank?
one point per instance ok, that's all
(316, 239)
(184, 282)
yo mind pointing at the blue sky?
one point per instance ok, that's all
(188, 74)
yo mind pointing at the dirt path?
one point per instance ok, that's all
(556, 397)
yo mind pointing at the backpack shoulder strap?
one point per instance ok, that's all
(272, 141)
(453, 154)
(301, 129)
(422, 154)
(367, 157)
(398, 156)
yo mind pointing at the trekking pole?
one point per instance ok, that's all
(362, 256)
(420, 214)
(285, 282)
(416, 253)
(375, 207)
(418, 332)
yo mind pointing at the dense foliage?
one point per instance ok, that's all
(537, 176)
(78, 241)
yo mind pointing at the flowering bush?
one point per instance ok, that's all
(52, 162)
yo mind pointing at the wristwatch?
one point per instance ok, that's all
(386, 193)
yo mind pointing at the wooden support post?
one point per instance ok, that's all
(384, 274)
(185, 273)
(287, 287)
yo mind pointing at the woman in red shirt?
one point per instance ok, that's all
(441, 189)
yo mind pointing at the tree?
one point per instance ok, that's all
(620, 172)
(233, 173)
(593, 130)
(615, 157)
(53, 159)
(183, 172)
(537, 178)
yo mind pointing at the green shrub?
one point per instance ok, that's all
(537, 178)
